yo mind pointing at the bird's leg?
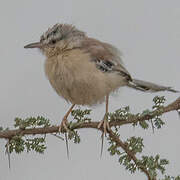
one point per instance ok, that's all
(104, 122)
(64, 121)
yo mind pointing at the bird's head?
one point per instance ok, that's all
(59, 37)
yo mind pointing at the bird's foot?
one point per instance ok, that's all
(105, 124)
(63, 128)
(63, 125)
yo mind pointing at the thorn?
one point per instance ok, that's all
(178, 111)
(9, 160)
(152, 126)
(8, 153)
(59, 137)
(67, 147)
(102, 144)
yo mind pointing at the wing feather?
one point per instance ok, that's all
(106, 57)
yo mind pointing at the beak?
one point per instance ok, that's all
(34, 45)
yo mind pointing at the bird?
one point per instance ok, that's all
(84, 70)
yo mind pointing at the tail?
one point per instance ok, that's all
(148, 86)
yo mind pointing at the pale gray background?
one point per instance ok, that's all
(148, 34)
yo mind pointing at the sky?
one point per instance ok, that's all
(148, 35)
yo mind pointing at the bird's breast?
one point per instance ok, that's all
(75, 77)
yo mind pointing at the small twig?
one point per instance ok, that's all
(119, 143)
(58, 136)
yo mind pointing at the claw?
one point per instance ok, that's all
(105, 124)
(63, 125)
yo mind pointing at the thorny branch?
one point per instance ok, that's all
(8, 134)
(174, 106)
(119, 143)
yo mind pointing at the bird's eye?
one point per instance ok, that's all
(54, 32)
(53, 41)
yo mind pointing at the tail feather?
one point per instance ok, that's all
(148, 86)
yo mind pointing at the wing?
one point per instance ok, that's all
(106, 57)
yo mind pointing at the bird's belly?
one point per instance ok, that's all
(81, 82)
